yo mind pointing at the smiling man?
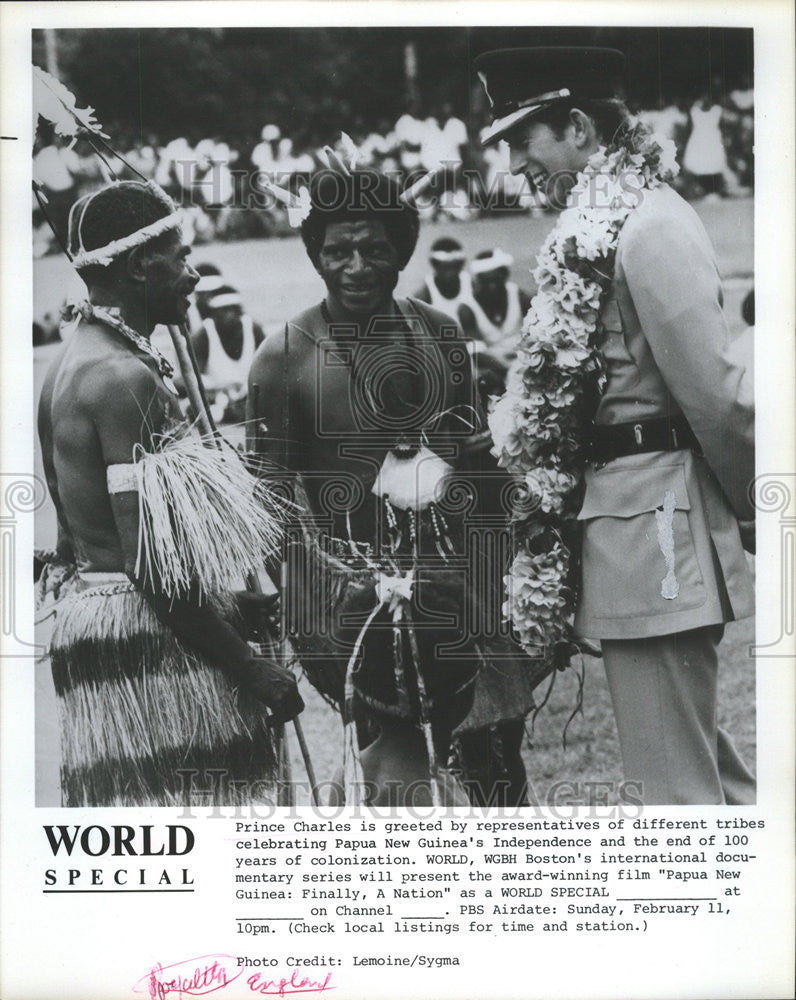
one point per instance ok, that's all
(671, 442)
(155, 682)
(369, 401)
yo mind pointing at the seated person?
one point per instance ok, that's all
(447, 284)
(224, 347)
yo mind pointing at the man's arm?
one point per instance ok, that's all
(64, 546)
(272, 423)
(270, 427)
(468, 323)
(201, 348)
(672, 279)
(129, 408)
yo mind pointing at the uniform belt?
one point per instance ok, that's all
(610, 441)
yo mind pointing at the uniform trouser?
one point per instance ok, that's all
(664, 695)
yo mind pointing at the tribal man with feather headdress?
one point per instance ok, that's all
(368, 401)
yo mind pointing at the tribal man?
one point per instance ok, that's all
(370, 400)
(158, 690)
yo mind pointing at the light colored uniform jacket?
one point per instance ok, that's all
(649, 570)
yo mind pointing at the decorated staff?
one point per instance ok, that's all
(159, 692)
(626, 418)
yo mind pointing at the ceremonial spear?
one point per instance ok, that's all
(53, 101)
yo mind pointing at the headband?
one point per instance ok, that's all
(227, 299)
(498, 258)
(210, 283)
(448, 256)
(102, 256)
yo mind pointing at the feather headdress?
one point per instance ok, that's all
(58, 105)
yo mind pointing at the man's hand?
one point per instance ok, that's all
(256, 612)
(273, 686)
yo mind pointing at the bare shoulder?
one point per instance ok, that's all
(106, 380)
(46, 397)
(291, 345)
(435, 319)
(118, 378)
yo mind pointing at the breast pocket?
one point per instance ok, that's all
(639, 556)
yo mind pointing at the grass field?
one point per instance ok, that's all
(277, 281)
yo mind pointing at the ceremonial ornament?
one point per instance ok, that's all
(112, 316)
(299, 204)
(538, 426)
(58, 105)
(102, 256)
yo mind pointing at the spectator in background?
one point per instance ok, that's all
(174, 169)
(492, 320)
(264, 153)
(219, 188)
(669, 121)
(379, 149)
(287, 163)
(743, 97)
(741, 133)
(210, 281)
(453, 139)
(447, 285)
(431, 151)
(451, 145)
(409, 132)
(144, 159)
(55, 169)
(497, 307)
(705, 158)
(199, 172)
(224, 347)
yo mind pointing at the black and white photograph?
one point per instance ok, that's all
(404, 460)
(497, 385)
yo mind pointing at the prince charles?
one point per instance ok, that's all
(671, 445)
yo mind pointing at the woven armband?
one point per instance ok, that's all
(122, 478)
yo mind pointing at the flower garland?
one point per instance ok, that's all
(552, 389)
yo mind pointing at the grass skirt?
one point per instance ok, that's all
(144, 721)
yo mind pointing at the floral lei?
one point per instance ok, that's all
(538, 425)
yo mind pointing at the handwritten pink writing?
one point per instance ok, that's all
(194, 977)
(284, 987)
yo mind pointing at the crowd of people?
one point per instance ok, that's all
(216, 181)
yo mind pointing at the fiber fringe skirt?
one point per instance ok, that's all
(144, 721)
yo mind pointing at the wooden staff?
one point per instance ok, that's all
(195, 391)
(193, 386)
(414, 193)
